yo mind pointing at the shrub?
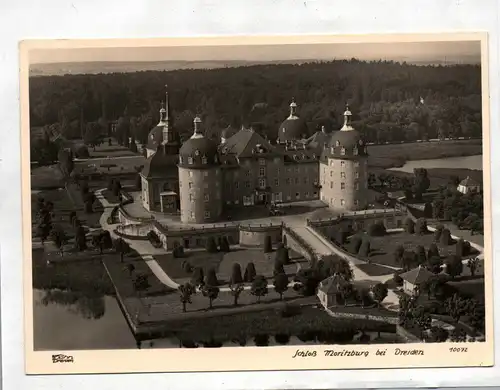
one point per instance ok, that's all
(377, 229)
(138, 182)
(434, 264)
(197, 277)
(454, 266)
(397, 279)
(433, 251)
(308, 281)
(82, 152)
(446, 237)
(178, 251)
(224, 245)
(278, 267)
(409, 226)
(268, 246)
(187, 267)
(421, 226)
(409, 260)
(250, 273)
(289, 310)
(459, 248)
(438, 232)
(355, 244)
(236, 274)
(364, 249)
(467, 248)
(341, 236)
(154, 239)
(398, 254)
(211, 278)
(211, 247)
(421, 255)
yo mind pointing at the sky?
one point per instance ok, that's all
(453, 52)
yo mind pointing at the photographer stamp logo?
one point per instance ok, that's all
(61, 358)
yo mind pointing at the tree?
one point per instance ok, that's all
(92, 135)
(454, 266)
(178, 251)
(377, 229)
(250, 273)
(281, 255)
(89, 200)
(224, 245)
(211, 246)
(211, 292)
(186, 291)
(398, 254)
(211, 277)
(130, 269)
(473, 264)
(364, 249)
(80, 239)
(458, 335)
(197, 277)
(434, 264)
(456, 307)
(236, 277)
(343, 268)
(66, 164)
(138, 182)
(421, 182)
(379, 292)
(356, 242)
(397, 279)
(421, 226)
(236, 290)
(445, 237)
(409, 226)
(121, 247)
(116, 187)
(259, 287)
(421, 255)
(438, 232)
(133, 146)
(409, 260)
(110, 184)
(278, 267)
(268, 247)
(281, 284)
(433, 251)
(460, 247)
(421, 317)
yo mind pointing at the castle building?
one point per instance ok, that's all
(343, 169)
(201, 179)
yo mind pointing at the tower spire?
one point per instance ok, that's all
(347, 118)
(293, 108)
(167, 104)
(197, 128)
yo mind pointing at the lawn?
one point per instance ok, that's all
(383, 248)
(375, 269)
(395, 155)
(122, 276)
(46, 177)
(110, 166)
(114, 150)
(470, 287)
(223, 263)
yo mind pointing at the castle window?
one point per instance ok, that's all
(289, 169)
(332, 162)
(207, 198)
(190, 185)
(205, 173)
(237, 201)
(262, 171)
(331, 184)
(180, 184)
(297, 195)
(342, 151)
(247, 184)
(247, 172)
(342, 175)
(276, 182)
(356, 164)
(192, 214)
(331, 173)
(196, 152)
(262, 183)
(356, 175)
(332, 201)
(236, 185)
(262, 161)
(190, 173)
(204, 160)
(332, 150)
(296, 180)
(296, 170)
(306, 194)
(342, 202)
(324, 171)
(355, 151)
(287, 181)
(337, 143)
(356, 185)
(342, 186)
(342, 163)
(305, 180)
(180, 159)
(356, 202)
(191, 197)
(314, 156)
(190, 160)
(207, 214)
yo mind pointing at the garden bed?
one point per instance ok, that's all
(375, 269)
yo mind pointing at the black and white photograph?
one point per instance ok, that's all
(286, 199)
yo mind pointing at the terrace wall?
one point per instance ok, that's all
(255, 235)
(293, 241)
(406, 335)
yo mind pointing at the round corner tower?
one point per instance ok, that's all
(343, 170)
(200, 179)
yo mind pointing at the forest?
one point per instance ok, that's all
(390, 101)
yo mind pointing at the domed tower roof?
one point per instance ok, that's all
(198, 152)
(163, 132)
(293, 128)
(346, 143)
(160, 164)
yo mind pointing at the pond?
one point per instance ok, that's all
(466, 162)
(65, 321)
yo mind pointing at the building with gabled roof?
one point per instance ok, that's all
(413, 279)
(468, 185)
(331, 291)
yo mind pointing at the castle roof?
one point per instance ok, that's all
(318, 140)
(198, 151)
(246, 143)
(292, 128)
(333, 284)
(160, 164)
(417, 275)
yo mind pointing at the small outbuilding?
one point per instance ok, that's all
(331, 291)
(413, 279)
(468, 185)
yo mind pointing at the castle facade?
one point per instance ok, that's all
(201, 177)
